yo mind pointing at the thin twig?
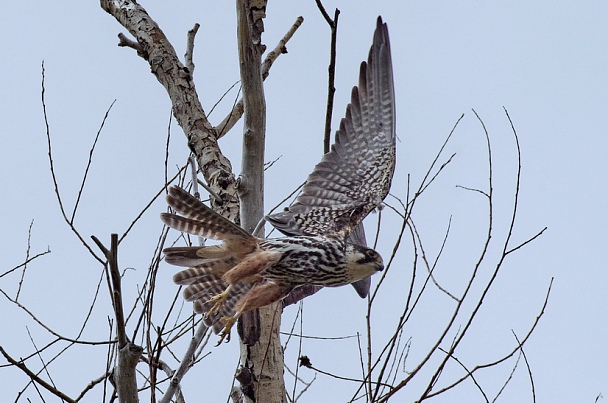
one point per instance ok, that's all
(268, 165)
(305, 362)
(505, 356)
(331, 76)
(36, 378)
(48, 329)
(220, 134)
(427, 393)
(469, 285)
(424, 184)
(91, 385)
(25, 263)
(237, 111)
(523, 353)
(473, 190)
(431, 269)
(508, 380)
(27, 258)
(147, 206)
(52, 168)
(307, 385)
(89, 161)
(208, 189)
(39, 355)
(525, 242)
(470, 374)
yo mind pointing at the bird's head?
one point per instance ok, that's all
(363, 261)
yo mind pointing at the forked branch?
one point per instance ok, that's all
(128, 353)
(187, 108)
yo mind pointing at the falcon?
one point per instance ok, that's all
(245, 272)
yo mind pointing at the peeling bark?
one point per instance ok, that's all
(155, 48)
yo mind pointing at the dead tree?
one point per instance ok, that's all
(241, 200)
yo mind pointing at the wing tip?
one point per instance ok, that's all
(281, 221)
(381, 32)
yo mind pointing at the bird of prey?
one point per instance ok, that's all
(245, 272)
(355, 176)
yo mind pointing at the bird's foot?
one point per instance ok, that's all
(228, 322)
(218, 302)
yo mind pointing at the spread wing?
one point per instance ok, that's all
(355, 176)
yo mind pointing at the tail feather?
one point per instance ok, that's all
(203, 290)
(196, 273)
(186, 204)
(192, 226)
(189, 256)
(209, 286)
(204, 284)
(201, 220)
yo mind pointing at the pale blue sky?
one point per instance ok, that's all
(546, 62)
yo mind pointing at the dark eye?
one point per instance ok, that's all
(370, 253)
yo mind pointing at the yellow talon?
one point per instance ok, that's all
(218, 301)
(228, 321)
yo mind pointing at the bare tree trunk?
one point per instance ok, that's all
(261, 376)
